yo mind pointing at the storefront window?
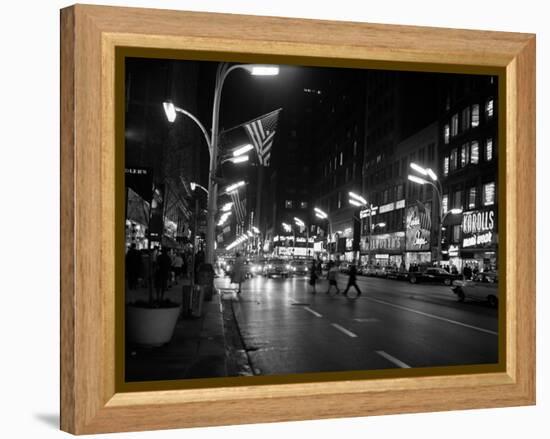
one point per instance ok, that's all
(474, 152)
(489, 194)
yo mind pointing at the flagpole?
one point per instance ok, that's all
(259, 198)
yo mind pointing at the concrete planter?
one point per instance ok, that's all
(150, 326)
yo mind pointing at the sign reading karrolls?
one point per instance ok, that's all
(479, 228)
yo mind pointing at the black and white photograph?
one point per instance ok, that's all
(286, 219)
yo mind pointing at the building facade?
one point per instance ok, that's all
(468, 136)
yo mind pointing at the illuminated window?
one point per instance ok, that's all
(488, 194)
(341, 158)
(445, 203)
(454, 159)
(489, 150)
(454, 125)
(458, 200)
(474, 152)
(355, 145)
(475, 115)
(456, 233)
(303, 204)
(472, 193)
(288, 204)
(463, 155)
(465, 119)
(446, 132)
(446, 166)
(489, 110)
(399, 195)
(339, 200)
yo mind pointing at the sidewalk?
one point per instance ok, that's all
(197, 348)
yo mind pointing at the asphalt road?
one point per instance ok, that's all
(285, 329)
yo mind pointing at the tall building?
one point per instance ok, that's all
(160, 155)
(338, 158)
(468, 168)
(400, 129)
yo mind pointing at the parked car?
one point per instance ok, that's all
(299, 266)
(433, 275)
(395, 273)
(367, 270)
(277, 267)
(484, 287)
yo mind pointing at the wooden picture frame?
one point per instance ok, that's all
(90, 35)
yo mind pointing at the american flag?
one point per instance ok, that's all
(239, 206)
(262, 132)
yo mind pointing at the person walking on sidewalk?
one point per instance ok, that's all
(313, 275)
(133, 267)
(331, 276)
(352, 280)
(162, 273)
(239, 274)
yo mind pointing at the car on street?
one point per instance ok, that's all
(433, 275)
(299, 267)
(367, 270)
(277, 267)
(483, 287)
(397, 274)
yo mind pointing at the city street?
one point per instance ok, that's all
(284, 328)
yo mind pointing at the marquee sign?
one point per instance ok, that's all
(479, 228)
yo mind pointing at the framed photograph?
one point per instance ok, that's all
(271, 219)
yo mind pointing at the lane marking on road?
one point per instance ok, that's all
(315, 313)
(367, 320)
(425, 314)
(393, 360)
(344, 330)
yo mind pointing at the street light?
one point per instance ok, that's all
(436, 184)
(227, 207)
(224, 69)
(239, 159)
(357, 198)
(197, 185)
(234, 187)
(356, 203)
(242, 149)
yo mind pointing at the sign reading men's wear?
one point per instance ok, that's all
(419, 226)
(140, 180)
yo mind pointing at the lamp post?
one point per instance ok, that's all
(435, 183)
(360, 201)
(300, 223)
(224, 69)
(324, 216)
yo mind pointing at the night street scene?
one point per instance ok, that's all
(284, 219)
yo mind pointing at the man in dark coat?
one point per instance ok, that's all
(163, 269)
(133, 266)
(352, 281)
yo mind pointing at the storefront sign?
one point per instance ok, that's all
(387, 207)
(366, 212)
(294, 251)
(349, 243)
(387, 241)
(419, 225)
(478, 228)
(400, 204)
(318, 246)
(453, 250)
